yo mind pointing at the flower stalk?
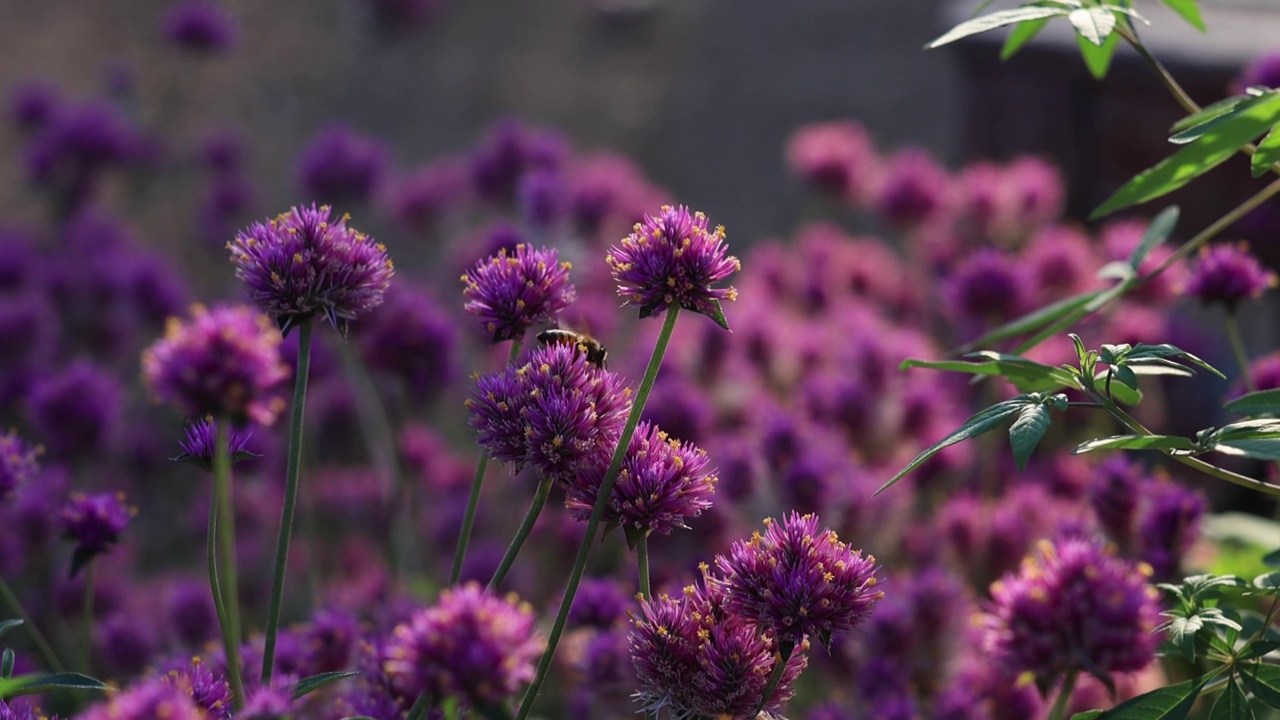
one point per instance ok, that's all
(522, 533)
(229, 590)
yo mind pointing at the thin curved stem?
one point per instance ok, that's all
(86, 628)
(419, 709)
(1238, 349)
(1068, 686)
(642, 566)
(227, 545)
(42, 646)
(779, 667)
(522, 533)
(597, 512)
(290, 497)
(473, 500)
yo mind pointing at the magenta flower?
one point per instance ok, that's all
(511, 292)
(17, 464)
(673, 259)
(341, 166)
(306, 262)
(470, 645)
(209, 691)
(987, 285)
(796, 580)
(1076, 607)
(914, 191)
(201, 444)
(412, 338)
(199, 26)
(835, 157)
(1228, 274)
(158, 697)
(75, 412)
(95, 523)
(223, 362)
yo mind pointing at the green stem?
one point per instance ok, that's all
(469, 518)
(86, 629)
(419, 709)
(522, 533)
(229, 644)
(1068, 686)
(290, 497)
(642, 566)
(42, 646)
(227, 546)
(1237, 347)
(597, 512)
(779, 667)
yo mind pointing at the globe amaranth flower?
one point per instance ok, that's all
(342, 166)
(95, 522)
(673, 259)
(199, 26)
(987, 285)
(268, 703)
(1168, 526)
(796, 580)
(471, 645)
(157, 697)
(835, 157)
(914, 191)
(306, 262)
(1228, 273)
(75, 411)
(209, 691)
(555, 412)
(513, 291)
(222, 362)
(17, 464)
(201, 444)
(412, 338)
(190, 613)
(1076, 607)
(696, 658)
(599, 603)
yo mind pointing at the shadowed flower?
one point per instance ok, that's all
(202, 437)
(673, 259)
(542, 197)
(75, 412)
(1076, 607)
(1228, 273)
(470, 645)
(32, 104)
(421, 198)
(17, 464)
(306, 262)
(158, 697)
(600, 603)
(223, 362)
(988, 285)
(835, 157)
(210, 692)
(1265, 71)
(267, 703)
(95, 522)
(199, 26)
(340, 166)
(1168, 526)
(914, 189)
(697, 658)
(190, 613)
(796, 580)
(513, 291)
(412, 338)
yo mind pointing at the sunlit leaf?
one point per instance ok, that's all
(1268, 154)
(1167, 703)
(1263, 402)
(1026, 432)
(1188, 10)
(1026, 375)
(996, 20)
(1020, 36)
(1094, 24)
(1097, 58)
(1137, 442)
(1209, 112)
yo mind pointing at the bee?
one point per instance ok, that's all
(591, 347)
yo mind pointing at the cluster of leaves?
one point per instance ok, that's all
(12, 686)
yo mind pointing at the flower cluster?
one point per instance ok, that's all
(1228, 274)
(512, 292)
(95, 522)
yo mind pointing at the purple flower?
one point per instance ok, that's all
(508, 150)
(341, 166)
(412, 338)
(75, 411)
(95, 522)
(223, 362)
(210, 692)
(542, 197)
(267, 703)
(914, 189)
(17, 464)
(555, 412)
(835, 157)
(33, 104)
(1264, 71)
(126, 642)
(159, 697)
(662, 482)
(190, 613)
(223, 150)
(75, 147)
(1037, 190)
(200, 445)
(306, 262)
(1061, 263)
(199, 26)
(1265, 371)
(600, 603)
(988, 285)
(1076, 607)
(696, 657)
(420, 199)
(1228, 273)
(511, 292)
(1168, 526)
(1114, 493)
(672, 258)
(20, 711)
(796, 580)
(471, 645)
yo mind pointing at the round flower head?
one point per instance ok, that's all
(267, 703)
(1228, 274)
(210, 692)
(1168, 527)
(342, 166)
(200, 445)
(17, 464)
(158, 697)
(914, 190)
(697, 658)
(223, 362)
(199, 26)
(75, 411)
(1076, 607)
(411, 338)
(796, 580)
(673, 259)
(1264, 71)
(662, 482)
(513, 291)
(470, 645)
(95, 523)
(306, 262)
(600, 603)
(835, 157)
(989, 284)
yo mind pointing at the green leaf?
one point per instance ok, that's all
(58, 681)
(1181, 633)
(1098, 58)
(1231, 704)
(1137, 442)
(1094, 24)
(1264, 682)
(1026, 375)
(1269, 582)
(1263, 402)
(7, 625)
(996, 20)
(1167, 703)
(1142, 352)
(1258, 649)
(6, 664)
(1026, 432)
(1194, 160)
(1209, 112)
(1268, 154)
(1020, 35)
(1188, 10)
(1199, 130)
(1158, 231)
(1033, 320)
(10, 686)
(1257, 449)
(308, 685)
(1272, 558)
(984, 421)
(1088, 715)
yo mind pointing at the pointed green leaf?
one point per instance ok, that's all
(1181, 633)
(1251, 429)
(1097, 58)
(1020, 35)
(1090, 715)
(984, 421)
(9, 687)
(1188, 10)
(1231, 704)
(1194, 160)
(1209, 112)
(308, 685)
(1268, 154)
(1167, 703)
(6, 664)
(59, 681)
(1259, 648)
(1158, 231)
(1264, 682)
(715, 313)
(1165, 350)
(1268, 450)
(1137, 442)
(7, 625)
(1094, 24)
(1125, 374)
(1033, 320)
(1263, 402)
(1199, 130)
(995, 20)
(1026, 375)
(1120, 392)
(1026, 432)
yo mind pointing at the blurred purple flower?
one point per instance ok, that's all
(201, 444)
(95, 522)
(75, 147)
(1228, 273)
(190, 613)
(1265, 371)
(17, 464)
(1119, 239)
(542, 197)
(508, 150)
(126, 642)
(914, 189)
(1038, 191)
(1061, 262)
(224, 150)
(987, 286)
(199, 26)
(33, 104)
(600, 603)
(835, 157)
(420, 199)
(340, 166)
(306, 262)
(268, 703)
(1264, 71)
(223, 362)
(1114, 494)
(411, 338)
(1168, 526)
(75, 411)
(512, 292)
(158, 697)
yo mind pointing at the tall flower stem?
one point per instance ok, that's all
(597, 512)
(419, 709)
(1238, 349)
(290, 497)
(1068, 686)
(86, 624)
(785, 649)
(642, 566)
(473, 500)
(42, 646)
(522, 533)
(226, 529)
(229, 645)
